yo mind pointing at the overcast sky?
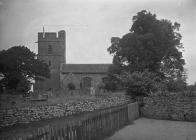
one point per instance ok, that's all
(91, 23)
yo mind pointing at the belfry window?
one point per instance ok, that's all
(49, 49)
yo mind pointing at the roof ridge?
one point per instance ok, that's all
(85, 68)
(88, 64)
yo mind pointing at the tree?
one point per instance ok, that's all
(113, 81)
(20, 66)
(152, 45)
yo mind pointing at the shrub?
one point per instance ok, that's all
(71, 86)
(140, 83)
(176, 85)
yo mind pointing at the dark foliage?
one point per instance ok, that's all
(153, 45)
(19, 67)
(71, 86)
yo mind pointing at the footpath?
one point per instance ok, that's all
(151, 129)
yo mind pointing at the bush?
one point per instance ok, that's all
(23, 86)
(71, 86)
(176, 85)
(110, 86)
(140, 83)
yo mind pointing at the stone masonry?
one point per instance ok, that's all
(24, 115)
(172, 107)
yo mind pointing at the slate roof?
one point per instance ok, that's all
(85, 68)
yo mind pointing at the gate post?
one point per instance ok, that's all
(133, 111)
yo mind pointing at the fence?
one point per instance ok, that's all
(95, 126)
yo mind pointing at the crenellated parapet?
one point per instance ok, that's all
(51, 36)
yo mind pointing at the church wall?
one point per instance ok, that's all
(77, 78)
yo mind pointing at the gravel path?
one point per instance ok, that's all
(150, 129)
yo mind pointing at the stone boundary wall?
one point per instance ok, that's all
(172, 107)
(15, 116)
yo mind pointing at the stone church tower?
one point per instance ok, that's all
(51, 49)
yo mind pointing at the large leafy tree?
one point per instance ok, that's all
(152, 45)
(19, 67)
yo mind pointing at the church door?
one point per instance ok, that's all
(86, 82)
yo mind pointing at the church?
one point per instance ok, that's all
(52, 50)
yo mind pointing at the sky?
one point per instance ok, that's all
(90, 24)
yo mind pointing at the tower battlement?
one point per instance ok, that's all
(51, 36)
(52, 43)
